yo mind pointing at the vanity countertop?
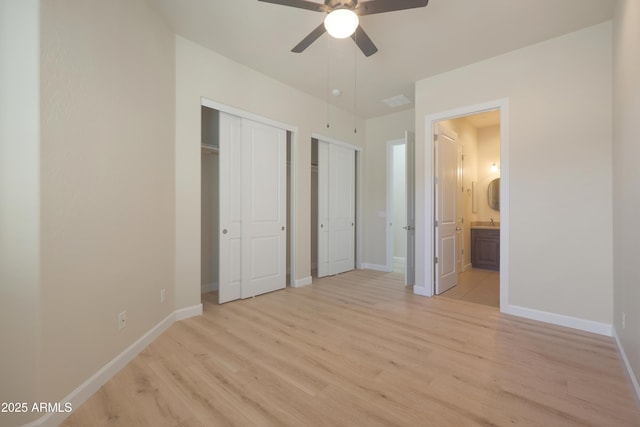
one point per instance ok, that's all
(485, 225)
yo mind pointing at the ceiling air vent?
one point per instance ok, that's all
(397, 101)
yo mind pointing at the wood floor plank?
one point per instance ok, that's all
(360, 349)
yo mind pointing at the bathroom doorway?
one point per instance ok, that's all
(467, 202)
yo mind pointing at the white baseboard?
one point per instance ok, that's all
(632, 376)
(302, 282)
(561, 320)
(78, 396)
(187, 312)
(376, 267)
(422, 291)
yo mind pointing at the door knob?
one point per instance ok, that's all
(458, 228)
(224, 231)
(283, 228)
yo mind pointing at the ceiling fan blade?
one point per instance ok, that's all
(313, 36)
(364, 42)
(300, 4)
(380, 6)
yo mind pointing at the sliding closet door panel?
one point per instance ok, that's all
(323, 209)
(342, 208)
(264, 202)
(230, 208)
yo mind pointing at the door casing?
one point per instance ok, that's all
(425, 283)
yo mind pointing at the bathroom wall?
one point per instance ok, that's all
(488, 154)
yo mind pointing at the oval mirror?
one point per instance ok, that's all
(493, 194)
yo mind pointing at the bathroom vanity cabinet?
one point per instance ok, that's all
(485, 248)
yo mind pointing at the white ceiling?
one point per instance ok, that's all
(413, 44)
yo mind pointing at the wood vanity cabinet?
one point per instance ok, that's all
(485, 248)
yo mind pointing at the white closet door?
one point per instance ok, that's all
(230, 182)
(323, 209)
(341, 208)
(264, 203)
(336, 209)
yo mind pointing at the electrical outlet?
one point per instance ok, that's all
(624, 319)
(122, 320)
(163, 295)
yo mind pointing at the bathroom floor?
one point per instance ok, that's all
(478, 286)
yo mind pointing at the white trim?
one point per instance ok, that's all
(430, 119)
(292, 210)
(245, 114)
(422, 291)
(560, 319)
(78, 396)
(297, 283)
(376, 267)
(627, 365)
(358, 206)
(187, 312)
(335, 142)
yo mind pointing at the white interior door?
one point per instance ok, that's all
(446, 275)
(336, 209)
(264, 205)
(230, 179)
(341, 208)
(252, 208)
(410, 269)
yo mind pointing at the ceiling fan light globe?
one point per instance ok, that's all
(341, 23)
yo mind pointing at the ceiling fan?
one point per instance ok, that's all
(342, 18)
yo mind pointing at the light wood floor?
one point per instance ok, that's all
(478, 286)
(359, 349)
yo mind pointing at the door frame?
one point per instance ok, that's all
(358, 177)
(429, 193)
(205, 102)
(389, 256)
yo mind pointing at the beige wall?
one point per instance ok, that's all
(19, 204)
(203, 73)
(379, 131)
(488, 153)
(626, 178)
(559, 94)
(107, 162)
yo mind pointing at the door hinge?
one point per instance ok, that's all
(435, 260)
(435, 179)
(435, 223)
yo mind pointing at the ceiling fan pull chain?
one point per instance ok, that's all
(355, 84)
(328, 78)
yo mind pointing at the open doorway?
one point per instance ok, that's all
(468, 256)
